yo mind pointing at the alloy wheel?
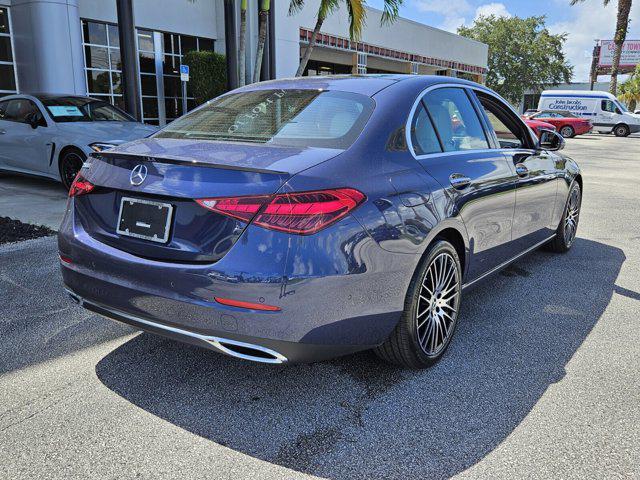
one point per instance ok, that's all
(438, 304)
(571, 218)
(71, 165)
(566, 132)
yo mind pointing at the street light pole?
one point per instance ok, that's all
(128, 54)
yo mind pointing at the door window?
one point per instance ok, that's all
(423, 135)
(21, 110)
(509, 129)
(455, 119)
(609, 106)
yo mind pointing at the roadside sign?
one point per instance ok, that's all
(184, 73)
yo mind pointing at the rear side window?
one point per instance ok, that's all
(423, 135)
(282, 117)
(19, 110)
(455, 119)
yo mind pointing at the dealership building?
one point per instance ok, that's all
(73, 47)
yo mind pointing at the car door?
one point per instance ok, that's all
(537, 173)
(451, 144)
(25, 148)
(606, 116)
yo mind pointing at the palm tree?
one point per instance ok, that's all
(630, 90)
(263, 16)
(622, 25)
(357, 17)
(242, 49)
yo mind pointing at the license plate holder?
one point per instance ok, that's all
(145, 219)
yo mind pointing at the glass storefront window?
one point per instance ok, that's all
(103, 65)
(161, 98)
(7, 66)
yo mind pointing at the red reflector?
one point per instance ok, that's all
(299, 212)
(80, 186)
(249, 305)
(65, 259)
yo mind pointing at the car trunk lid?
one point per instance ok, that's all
(176, 173)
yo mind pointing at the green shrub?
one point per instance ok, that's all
(207, 74)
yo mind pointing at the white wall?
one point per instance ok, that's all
(404, 35)
(196, 17)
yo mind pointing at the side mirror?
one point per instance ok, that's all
(550, 140)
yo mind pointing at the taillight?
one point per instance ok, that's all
(80, 186)
(302, 213)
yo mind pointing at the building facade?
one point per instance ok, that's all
(72, 46)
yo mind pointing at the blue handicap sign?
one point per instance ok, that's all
(184, 69)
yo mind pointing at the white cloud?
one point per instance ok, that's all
(454, 12)
(591, 21)
(459, 12)
(488, 9)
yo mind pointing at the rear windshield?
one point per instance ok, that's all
(313, 118)
(78, 109)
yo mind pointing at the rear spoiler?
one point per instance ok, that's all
(183, 161)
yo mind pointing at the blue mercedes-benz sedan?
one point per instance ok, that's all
(298, 220)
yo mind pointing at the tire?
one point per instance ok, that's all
(414, 343)
(621, 130)
(566, 232)
(69, 165)
(567, 132)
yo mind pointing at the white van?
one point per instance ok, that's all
(606, 112)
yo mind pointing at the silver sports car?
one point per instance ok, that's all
(52, 135)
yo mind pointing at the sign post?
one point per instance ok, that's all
(184, 78)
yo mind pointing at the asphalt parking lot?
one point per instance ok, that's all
(542, 379)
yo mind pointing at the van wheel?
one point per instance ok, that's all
(621, 130)
(567, 132)
(431, 311)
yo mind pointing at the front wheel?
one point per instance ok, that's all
(621, 131)
(70, 164)
(431, 311)
(566, 232)
(567, 132)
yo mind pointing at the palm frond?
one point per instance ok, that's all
(391, 11)
(357, 18)
(295, 6)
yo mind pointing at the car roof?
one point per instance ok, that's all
(368, 84)
(578, 93)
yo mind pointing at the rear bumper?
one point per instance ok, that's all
(338, 291)
(239, 346)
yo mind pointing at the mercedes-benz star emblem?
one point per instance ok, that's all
(138, 175)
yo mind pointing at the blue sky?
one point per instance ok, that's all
(584, 23)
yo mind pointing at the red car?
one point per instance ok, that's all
(537, 126)
(567, 124)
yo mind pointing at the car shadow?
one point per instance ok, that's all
(355, 417)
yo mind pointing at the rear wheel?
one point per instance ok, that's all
(431, 311)
(566, 233)
(621, 130)
(69, 165)
(567, 132)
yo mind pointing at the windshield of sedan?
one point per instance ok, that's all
(77, 109)
(282, 117)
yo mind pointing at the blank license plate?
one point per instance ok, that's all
(145, 219)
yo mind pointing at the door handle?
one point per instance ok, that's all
(521, 170)
(459, 181)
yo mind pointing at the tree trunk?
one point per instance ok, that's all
(309, 49)
(622, 24)
(242, 49)
(262, 37)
